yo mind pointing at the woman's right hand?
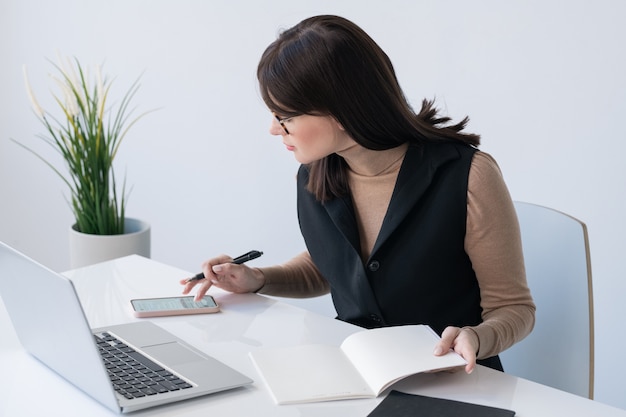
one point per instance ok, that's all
(221, 272)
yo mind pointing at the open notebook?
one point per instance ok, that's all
(366, 363)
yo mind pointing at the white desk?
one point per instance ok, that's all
(246, 322)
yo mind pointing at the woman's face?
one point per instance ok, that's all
(312, 138)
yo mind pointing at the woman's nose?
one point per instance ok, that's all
(275, 128)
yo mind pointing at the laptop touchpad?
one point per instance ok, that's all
(172, 353)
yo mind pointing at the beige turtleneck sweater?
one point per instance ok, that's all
(492, 242)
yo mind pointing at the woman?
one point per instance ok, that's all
(404, 220)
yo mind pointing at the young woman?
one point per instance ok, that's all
(404, 220)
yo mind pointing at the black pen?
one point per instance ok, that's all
(253, 254)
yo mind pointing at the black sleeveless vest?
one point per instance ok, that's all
(418, 271)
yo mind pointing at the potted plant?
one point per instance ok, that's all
(88, 134)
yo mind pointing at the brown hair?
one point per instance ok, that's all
(327, 65)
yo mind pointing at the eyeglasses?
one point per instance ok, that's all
(282, 121)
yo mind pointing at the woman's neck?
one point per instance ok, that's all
(370, 163)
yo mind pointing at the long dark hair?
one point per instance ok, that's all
(327, 65)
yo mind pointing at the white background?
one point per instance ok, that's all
(544, 83)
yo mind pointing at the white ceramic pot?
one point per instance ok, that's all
(86, 249)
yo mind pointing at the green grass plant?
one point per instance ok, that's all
(88, 135)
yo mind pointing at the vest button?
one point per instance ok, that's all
(375, 318)
(373, 266)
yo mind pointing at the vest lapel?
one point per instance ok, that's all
(416, 174)
(341, 212)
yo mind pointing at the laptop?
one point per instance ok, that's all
(51, 325)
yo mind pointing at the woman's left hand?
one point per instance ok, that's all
(463, 341)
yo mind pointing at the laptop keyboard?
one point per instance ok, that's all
(134, 375)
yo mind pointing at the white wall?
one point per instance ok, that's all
(543, 82)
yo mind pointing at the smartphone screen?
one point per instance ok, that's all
(151, 307)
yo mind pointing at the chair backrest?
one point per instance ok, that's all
(559, 351)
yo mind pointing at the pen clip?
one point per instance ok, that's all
(253, 254)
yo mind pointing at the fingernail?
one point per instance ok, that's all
(438, 350)
(217, 268)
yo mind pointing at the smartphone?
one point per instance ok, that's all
(173, 306)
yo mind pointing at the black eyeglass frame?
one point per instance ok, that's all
(282, 121)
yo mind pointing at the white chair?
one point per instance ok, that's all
(559, 351)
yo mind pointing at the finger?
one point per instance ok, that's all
(204, 288)
(208, 267)
(216, 279)
(465, 350)
(469, 348)
(470, 358)
(220, 269)
(188, 285)
(447, 340)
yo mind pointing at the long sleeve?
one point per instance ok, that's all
(297, 278)
(493, 244)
